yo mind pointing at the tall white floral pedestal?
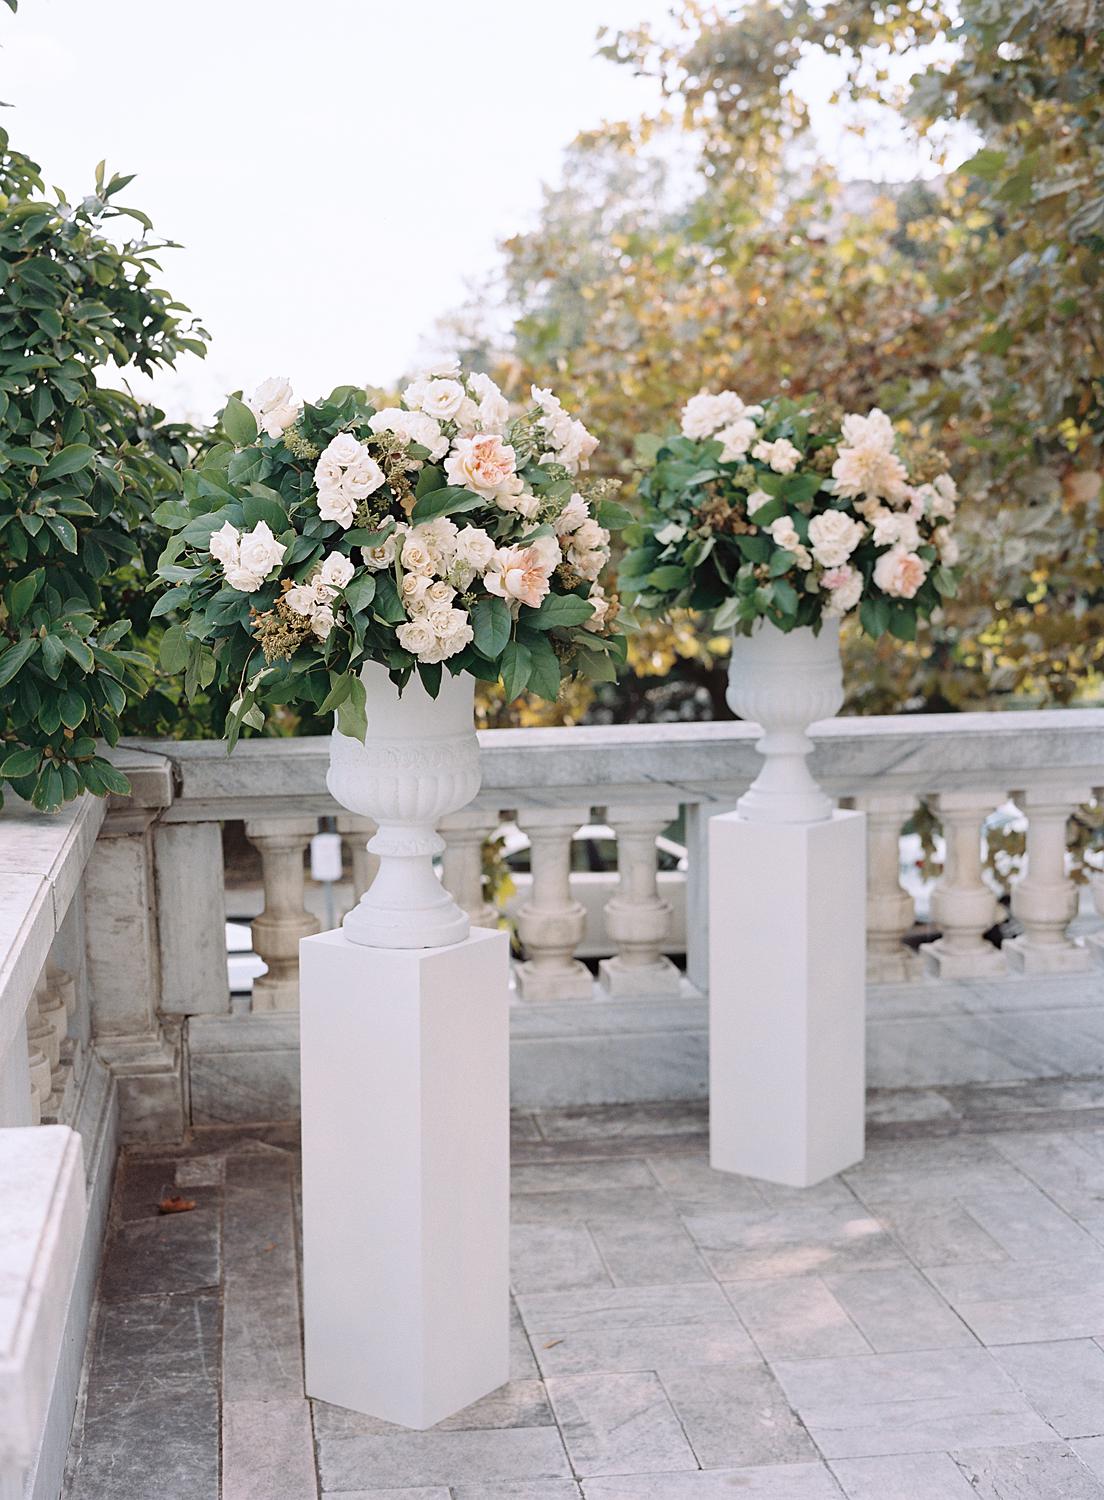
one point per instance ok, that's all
(406, 1090)
(787, 895)
(406, 1194)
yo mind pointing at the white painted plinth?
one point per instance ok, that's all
(787, 997)
(406, 1193)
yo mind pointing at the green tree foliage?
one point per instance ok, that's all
(81, 468)
(970, 306)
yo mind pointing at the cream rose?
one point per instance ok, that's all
(474, 548)
(900, 573)
(869, 471)
(442, 399)
(242, 579)
(784, 535)
(891, 529)
(416, 636)
(736, 439)
(574, 513)
(303, 599)
(382, 555)
(275, 405)
(224, 544)
(335, 505)
(260, 552)
(845, 585)
(415, 555)
(336, 571)
(494, 409)
(781, 455)
(874, 431)
(412, 427)
(756, 500)
(413, 589)
(834, 535)
(322, 621)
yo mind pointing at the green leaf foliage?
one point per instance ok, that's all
(82, 469)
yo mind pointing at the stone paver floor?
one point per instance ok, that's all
(927, 1326)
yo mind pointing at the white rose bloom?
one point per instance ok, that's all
(381, 556)
(474, 548)
(439, 593)
(870, 470)
(414, 394)
(259, 551)
(335, 505)
(439, 617)
(736, 439)
(944, 497)
(784, 535)
(587, 564)
(589, 536)
(416, 637)
(546, 550)
(224, 544)
(413, 590)
(891, 528)
(669, 534)
(274, 404)
(947, 545)
(439, 539)
(413, 427)
(527, 506)
(834, 535)
(844, 586)
(322, 621)
(756, 500)
(303, 599)
(242, 579)
(415, 555)
(781, 455)
(494, 409)
(548, 403)
(600, 604)
(442, 399)
(469, 420)
(873, 431)
(341, 450)
(336, 571)
(447, 367)
(363, 477)
(574, 513)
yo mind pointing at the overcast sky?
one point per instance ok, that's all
(337, 171)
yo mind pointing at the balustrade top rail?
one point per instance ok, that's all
(711, 762)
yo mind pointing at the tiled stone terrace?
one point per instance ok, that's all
(929, 1326)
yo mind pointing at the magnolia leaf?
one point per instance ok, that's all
(490, 620)
(238, 423)
(558, 610)
(516, 661)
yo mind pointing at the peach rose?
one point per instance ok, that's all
(483, 463)
(521, 574)
(900, 573)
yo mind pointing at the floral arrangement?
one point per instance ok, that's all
(782, 512)
(446, 532)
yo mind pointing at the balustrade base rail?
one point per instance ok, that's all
(244, 1069)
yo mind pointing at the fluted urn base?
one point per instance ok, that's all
(785, 681)
(419, 761)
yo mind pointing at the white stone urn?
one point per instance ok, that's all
(419, 761)
(785, 681)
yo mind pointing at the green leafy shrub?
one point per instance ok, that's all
(80, 472)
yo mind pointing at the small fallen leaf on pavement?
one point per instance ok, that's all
(175, 1205)
(553, 1343)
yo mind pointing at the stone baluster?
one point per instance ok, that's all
(551, 922)
(41, 1039)
(890, 911)
(1095, 941)
(638, 919)
(464, 834)
(357, 831)
(962, 904)
(1044, 899)
(52, 1012)
(282, 845)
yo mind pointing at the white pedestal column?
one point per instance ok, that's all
(787, 1074)
(406, 1205)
